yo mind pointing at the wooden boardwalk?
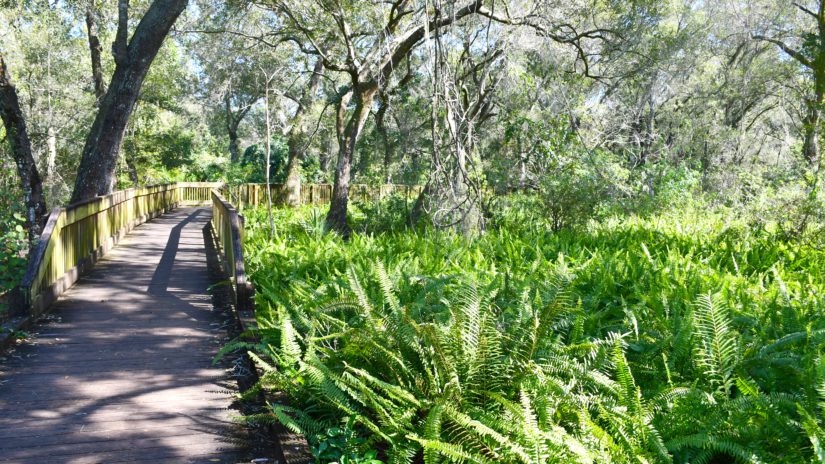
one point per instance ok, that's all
(123, 370)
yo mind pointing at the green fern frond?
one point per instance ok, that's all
(717, 345)
(453, 452)
(701, 441)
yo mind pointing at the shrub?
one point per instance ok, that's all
(13, 247)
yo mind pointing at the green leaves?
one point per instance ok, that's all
(683, 338)
(717, 345)
(13, 247)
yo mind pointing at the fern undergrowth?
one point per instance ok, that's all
(686, 338)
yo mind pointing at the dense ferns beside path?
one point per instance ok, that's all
(476, 385)
(655, 348)
(468, 385)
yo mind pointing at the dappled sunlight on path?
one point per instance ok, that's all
(122, 371)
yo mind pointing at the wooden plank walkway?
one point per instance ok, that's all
(123, 371)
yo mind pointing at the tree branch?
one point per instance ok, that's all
(795, 54)
(806, 10)
(120, 45)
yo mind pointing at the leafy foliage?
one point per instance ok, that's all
(14, 244)
(686, 337)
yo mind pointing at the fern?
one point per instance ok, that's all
(524, 346)
(717, 345)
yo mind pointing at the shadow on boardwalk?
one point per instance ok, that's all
(122, 371)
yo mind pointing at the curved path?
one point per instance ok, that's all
(122, 371)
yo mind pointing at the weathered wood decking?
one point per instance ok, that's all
(123, 372)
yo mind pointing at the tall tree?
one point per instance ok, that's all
(369, 44)
(394, 36)
(234, 115)
(296, 137)
(21, 150)
(95, 176)
(229, 41)
(806, 45)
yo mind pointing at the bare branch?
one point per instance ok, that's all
(806, 10)
(795, 54)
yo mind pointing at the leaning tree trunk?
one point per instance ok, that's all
(347, 139)
(18, 138)
(95, 175)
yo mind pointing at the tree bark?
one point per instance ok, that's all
(95, 175)
(296, 141)
(234, 146)
(95, 50)
(21, 150)
(267, 167)
(811, 122)
(810, 144)
(347, 139)
(51, 154)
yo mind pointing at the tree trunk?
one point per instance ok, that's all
(132, 170)
(810, 145)
(347, 139)
(326, 153)
(21, 150)
(267, 145)
(232, 122)
(464, 201)
(296, 141)
(51, 155)
(234, 146)
(95, 50)
(418, 207)
(95, 175)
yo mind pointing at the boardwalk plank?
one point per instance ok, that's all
(123, 372)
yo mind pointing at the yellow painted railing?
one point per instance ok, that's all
(255, 194)
(228, 228)
(76, 236)
(197, 193)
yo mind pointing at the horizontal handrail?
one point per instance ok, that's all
(251, 194)
(78, 235)
(227, 225)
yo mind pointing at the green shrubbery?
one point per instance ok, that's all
(688, 336)
(13, 245)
